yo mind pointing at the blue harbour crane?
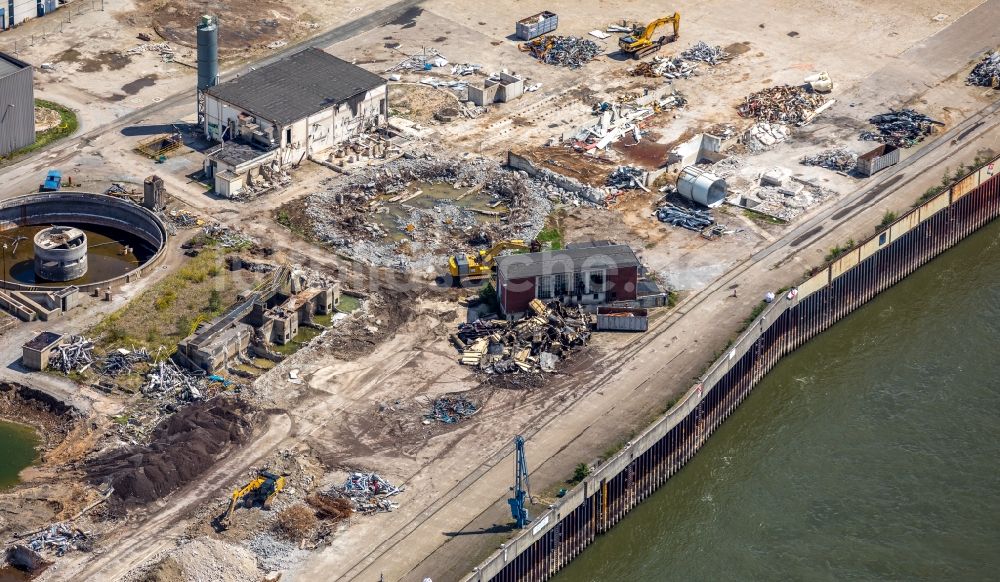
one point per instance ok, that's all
(522, 491)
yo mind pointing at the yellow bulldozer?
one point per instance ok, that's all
(476, 267)
(639, 44)
(262, 489)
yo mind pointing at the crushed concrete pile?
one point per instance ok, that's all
(563, 51)
(533, 344)
(705, 53)
(986, 73)
(787, 200)
(783, 104)
(359, 213)
(837, 159)
(669, 67)
(212, 560)
(902, 128)
(763, 136)
(183, 446)
(275, 554)
(368, 492)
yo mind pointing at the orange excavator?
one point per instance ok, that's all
(640, 44)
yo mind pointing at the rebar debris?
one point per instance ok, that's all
(60, 538)
(369, 492)
(627, 178)
(705, 53)
(837, 159)
(121, 361)
(169, 379)
(902, 128)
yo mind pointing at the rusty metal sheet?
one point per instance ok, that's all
(936, 205)
(845, 263)
(814, 284)
(964, 186)
(904, 225)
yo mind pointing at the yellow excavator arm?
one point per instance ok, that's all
(644, 43)
(479, 265)
(266, 485)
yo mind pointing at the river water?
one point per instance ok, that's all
(871, 453)
(17, 451)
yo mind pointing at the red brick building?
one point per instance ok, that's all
(589, 275)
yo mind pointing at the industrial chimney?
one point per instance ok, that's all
(208, 63)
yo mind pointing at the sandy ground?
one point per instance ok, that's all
(452, 513)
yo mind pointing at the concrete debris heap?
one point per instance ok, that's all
(452, 409)
(74, 355)
(169, 379)
(783, 104)
(987, 72)
(121, 362)
(615, 121)
(763, 136)
(689, 218)
(60, 538)
(369, 492)
(902, 128)
(705, 53)
(228, 238)
(784, 197)
(627, 178)
(563, 51)
(837, 159)
(533, 344)
(669, 67)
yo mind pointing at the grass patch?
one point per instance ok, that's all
(839, 250)
(888, 218)
(68, 125)
(348, 303)
(761, 217)
(754, 314)
(552, 236)
(197, 292)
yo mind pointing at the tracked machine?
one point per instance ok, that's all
(640, 43)
(262, 489)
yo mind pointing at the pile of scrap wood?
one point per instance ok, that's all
(784, 104)
(531, 344)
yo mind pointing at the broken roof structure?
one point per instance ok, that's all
(568, 260)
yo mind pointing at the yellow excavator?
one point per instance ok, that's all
(641, 44)
(262, 489)
(476, 267)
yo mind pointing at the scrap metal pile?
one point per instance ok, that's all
(169, 379)
(837, 159)
(705, 53)
(616, 120)
(60, 538)
(530, 345)
(783, 104)
(75, 355)
(563, 51)
(228, 237)
(369, 492)
(627, 178)
(689, 218)
(669, 67)
(987, 72)
(902, 128)
(452, 409)
(121, 361)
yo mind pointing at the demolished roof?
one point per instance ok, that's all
(570, 260)
(297, 86)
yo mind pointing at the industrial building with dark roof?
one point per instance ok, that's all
(594, 274)
(298, 106)
(17, 104)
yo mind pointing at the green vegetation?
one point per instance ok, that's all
(839, 250)
(580, 473)
(348, 303)
(761, 217)
(888, 218)
(488, 295)
(947, 179)
(67, 126)
(552, 236)
(672, 298)
(754, 314)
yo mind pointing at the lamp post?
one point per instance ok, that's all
(4, 265)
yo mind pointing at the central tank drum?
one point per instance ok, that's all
(60, 253)
(701, 186)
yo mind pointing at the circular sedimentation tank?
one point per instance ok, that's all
(56, 239)
(60, 253)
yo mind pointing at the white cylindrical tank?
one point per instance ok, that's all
(702, 187)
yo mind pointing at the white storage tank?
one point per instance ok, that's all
(702, 187)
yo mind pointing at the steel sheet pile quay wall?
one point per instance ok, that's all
(600, 501)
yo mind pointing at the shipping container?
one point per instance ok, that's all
(537, 25)
(622, 319)
(879, 158)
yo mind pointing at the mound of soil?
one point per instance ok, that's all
(183, 447)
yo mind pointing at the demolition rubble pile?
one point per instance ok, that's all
(60, 538)
(902, 128)
(762, 136)
(705, 53)
(452, 409)
(987, 72)
(368, 492)
(533, 344)
(169, 379)
(228, 238)
(668, 67)
(689, 218)
(563, 51)
(616, 121)
(182, 447)
(783, 104)
(627, 178)
(837, 159)
(347, 213)
(121, 362)
(783, 197)
(75, 355)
